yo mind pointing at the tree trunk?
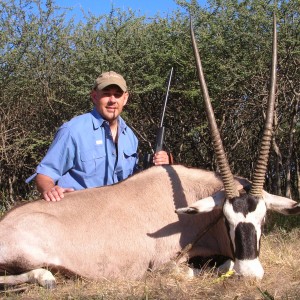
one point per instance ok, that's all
(291, 146)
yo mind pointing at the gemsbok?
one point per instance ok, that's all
(123, 230)
(244, 211)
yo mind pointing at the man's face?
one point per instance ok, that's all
(109, 102)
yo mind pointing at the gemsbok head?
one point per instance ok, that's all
(244, 211)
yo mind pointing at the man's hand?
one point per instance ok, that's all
(56, 193)
(48, 189)
(161, 158)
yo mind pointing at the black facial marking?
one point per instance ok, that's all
(247, 188)
(228, 231)
(244, 204)
(245, 241)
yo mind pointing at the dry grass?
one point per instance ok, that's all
(280, 257)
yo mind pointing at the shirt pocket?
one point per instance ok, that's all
(129, 162)
(91, 160)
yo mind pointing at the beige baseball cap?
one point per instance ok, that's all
(109, 78)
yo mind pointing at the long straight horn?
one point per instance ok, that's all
(223, 164)
(258, 178)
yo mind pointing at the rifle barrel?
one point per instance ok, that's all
(166, 99)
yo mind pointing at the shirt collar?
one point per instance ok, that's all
(98, 121)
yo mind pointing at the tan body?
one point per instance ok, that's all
(115, 231)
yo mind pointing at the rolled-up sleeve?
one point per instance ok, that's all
(60, 156)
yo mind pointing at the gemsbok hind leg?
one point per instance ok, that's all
(40, 276)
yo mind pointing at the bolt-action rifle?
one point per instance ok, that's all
(161, 130)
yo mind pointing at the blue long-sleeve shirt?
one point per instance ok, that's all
(83, 154)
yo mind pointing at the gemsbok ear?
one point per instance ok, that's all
(214, 202)
(280, 204)
(204, 205)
